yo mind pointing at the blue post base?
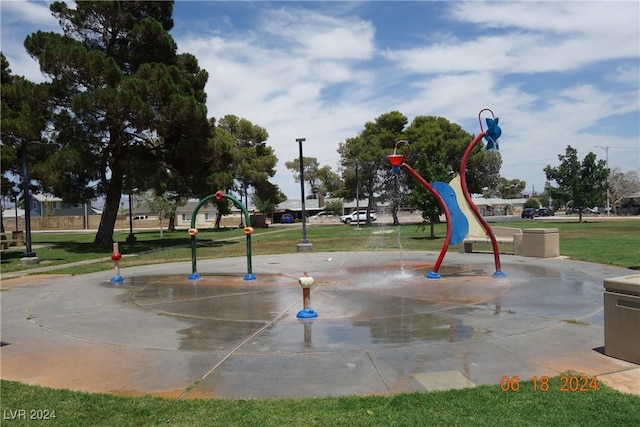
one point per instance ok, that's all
(117, 279)
(249, 276)
(499, 274)
(194, 276)
(307, 313)
(433, 275)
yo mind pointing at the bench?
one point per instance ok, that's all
(509, 235)
(11, 239)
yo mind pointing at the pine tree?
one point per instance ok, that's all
(127, 110)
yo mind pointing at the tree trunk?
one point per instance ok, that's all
(2, 225)
(370, 207)
(172, 222)
(104, 236)
(394, 212)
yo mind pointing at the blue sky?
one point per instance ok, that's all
(556, 73)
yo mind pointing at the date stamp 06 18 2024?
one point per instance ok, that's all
(568, 383)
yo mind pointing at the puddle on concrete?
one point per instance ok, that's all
(375, 306)
(386, 307)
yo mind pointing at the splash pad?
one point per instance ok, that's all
(344, 294)
(382, 327)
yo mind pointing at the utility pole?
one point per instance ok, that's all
(606, 151)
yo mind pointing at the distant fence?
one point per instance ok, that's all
(122, 223)
(53, 223)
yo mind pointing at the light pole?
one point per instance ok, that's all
(15, 205)
(304, 245)
(357, 198)
(131, 238)
(606, 150)
(29, 257)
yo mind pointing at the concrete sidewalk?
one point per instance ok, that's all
(382, 327)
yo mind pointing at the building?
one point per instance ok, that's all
(47, 205)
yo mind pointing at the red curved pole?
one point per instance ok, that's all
(447, 214)
(474, 208)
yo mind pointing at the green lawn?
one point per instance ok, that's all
(616, 243)
(480, 406)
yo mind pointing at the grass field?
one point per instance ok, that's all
(616, 243)
(480, 406)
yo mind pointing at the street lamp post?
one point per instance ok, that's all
(131, 238)
(304, 245)
(606, 150)
(357, 198)
(15, 206)
(29, 257)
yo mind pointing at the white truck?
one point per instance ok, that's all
(359, 216)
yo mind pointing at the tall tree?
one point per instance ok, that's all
(584, 184)
(330, 182)
(123, 103)
(161, 206)
(321, 179)
(178, 190)
(508, 188)
(364, 158)
(24, 115)
(254, 160)
(622, 185)
(310, 166)
(267, 196)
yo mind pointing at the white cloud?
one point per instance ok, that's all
(16, 16)
(277, 80)
(22, 12)
(533, 37)
(605, 19)
(307, 53)
(625, 73)
(556, 73)
(318, 36)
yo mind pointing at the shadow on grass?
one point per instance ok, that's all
(138, 247)
(129, 248)
(216, 243)
(10, 255)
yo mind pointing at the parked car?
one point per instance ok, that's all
(545, 212)
(322, 216)
(359, 216)
(529, 213)
(570, 211)
(286, 219)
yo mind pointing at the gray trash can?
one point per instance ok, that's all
(622, 318)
